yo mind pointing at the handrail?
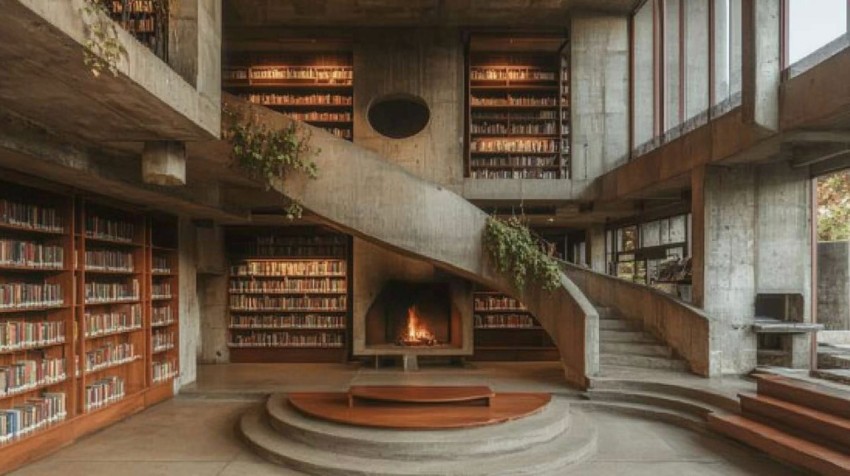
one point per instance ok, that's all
(685, 328)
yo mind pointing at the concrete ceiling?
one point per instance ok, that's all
(398, 13)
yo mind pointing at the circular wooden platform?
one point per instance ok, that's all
(432, 409)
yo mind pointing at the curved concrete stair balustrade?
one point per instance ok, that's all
(361, 193)
(547, 443)
(797, 422)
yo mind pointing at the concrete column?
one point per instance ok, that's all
(761, 62)
(164, 163)
(599, 53)
(834, 285)
(212, 294)
(596, 242)
(189, 310)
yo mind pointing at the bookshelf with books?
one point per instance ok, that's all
(146, 20)
(289, 295)
(164, 303)
(506, 331)
(518, 114)
(75, 315)
(315, 88)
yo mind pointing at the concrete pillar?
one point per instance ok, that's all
(164, 163)
(761, 62)
(834, 285)
(189, 310)
(212, 294)
(599, 55)
(596, 242)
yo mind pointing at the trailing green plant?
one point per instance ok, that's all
(270, 154)
(516, 252)
(103, 49)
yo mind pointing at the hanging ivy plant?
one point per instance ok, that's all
(517, 253)
(268, 154)
(102, 49)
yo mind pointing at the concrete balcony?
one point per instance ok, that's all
(44, 79)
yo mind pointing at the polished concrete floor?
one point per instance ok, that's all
(194, 434)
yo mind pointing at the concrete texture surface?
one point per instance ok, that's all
(834, 285)
(196, 436)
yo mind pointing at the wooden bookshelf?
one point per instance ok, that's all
(146, 20)
(164, 305)
(83, 334)
(518, 115)
(317, 89)
(506, 331)
(289, 295)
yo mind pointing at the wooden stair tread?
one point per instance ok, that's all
(816, 415)
(420, 394)
(803, 393)
(782, 446)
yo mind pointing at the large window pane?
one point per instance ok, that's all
(672, 36)
(812, 24)
(727, 49)
(643, 75)
(696, 56)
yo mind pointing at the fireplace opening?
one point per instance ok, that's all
(409, 314)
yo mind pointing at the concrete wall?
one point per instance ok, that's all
(425, 63)
(834, 285)
(212, 294)
(600, 94)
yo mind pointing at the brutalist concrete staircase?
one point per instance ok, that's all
(546, 443)
(800, 423)
(623, 343)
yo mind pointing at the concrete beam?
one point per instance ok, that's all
(811, 154)
(164, 163)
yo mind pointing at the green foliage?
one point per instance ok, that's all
(103, 49)
(268, 154)
(516, 252)
(834, 207)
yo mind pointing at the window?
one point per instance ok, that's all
(646, 252)
(813, 24)
(695, 31)
(644, 86)
(672, 57)
(727, 49)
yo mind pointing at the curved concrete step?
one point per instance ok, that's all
(664, 402)
(618, 325)
(635, 337)
(512, 436)
(642, 361)
(722, 403)
(551, 458)
(682, 419)
(629, 348)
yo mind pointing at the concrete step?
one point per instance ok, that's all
(606, 313)
(782, 446)
(642, 361)
(618, 325)
(710, 399)
(636, 337)
(685, 405)
(628, 348)
(824, 426)
(805, 393)
(551, 458)
(512, 436)
(650, 412)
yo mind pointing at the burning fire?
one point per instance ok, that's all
(416, 334)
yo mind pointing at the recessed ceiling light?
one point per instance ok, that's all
(551, 219)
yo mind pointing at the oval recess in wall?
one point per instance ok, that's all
(399, 116)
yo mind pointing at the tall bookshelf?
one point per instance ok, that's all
(506, 331)
(146, 20)
(75, 282)
(289, 296)
(164, 301)
(518, 117)
(317, 88)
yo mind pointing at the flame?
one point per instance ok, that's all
(415, 333)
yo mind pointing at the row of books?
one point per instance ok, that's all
(109, 355)
(300, 99)
(30, 254)
(21, 335)
(160, 264)
(515, 116)
(161, 316)
(304, 240)
(28, 215)
(340, 132)
(302, 72)
(109, 323)
(164, 370)
(511, 321)
(139, 25)
(514, 145)
(515, 161)
(517, 129)
(32, 415)
(241, 302)
(514, 174)
(296, 251)
(162, 341)
(520, 73)
(287, 339)
(25, 375)
(514, 100)
(316, 285)
(133, 6)
(496, 302)
(321, 116)
(289, 268)
(161, 290)
(103, 392)
(29, 295)
(106, 229)
(97, 292)
(109, 260)
(306, 321)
